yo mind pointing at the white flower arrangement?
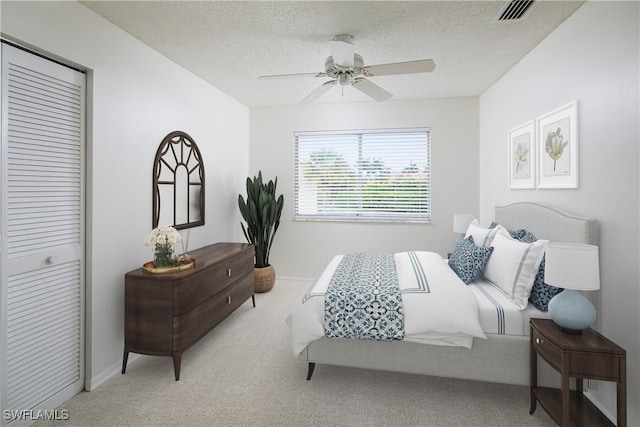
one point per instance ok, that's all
(162, 235)
(163, 238)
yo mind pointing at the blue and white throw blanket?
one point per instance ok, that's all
(363, 299)
(437, 307)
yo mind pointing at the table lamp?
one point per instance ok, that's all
(461, 223)
(575, 268)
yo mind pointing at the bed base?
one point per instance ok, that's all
(498, 359)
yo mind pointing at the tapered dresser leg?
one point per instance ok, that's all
(125, 357)
(177, 358)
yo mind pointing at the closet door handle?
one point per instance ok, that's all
(51, 260)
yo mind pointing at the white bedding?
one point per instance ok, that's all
(439, 309)
(498, 314)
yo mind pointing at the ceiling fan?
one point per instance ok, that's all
(346, 67)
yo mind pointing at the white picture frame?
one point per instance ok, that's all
(522, 157)
(557, 135)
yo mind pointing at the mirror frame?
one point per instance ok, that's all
(179, 148)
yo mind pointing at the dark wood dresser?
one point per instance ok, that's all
(165, 314)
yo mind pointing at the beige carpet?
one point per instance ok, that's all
(243, 373)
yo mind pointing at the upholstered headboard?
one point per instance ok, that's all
(547, 223)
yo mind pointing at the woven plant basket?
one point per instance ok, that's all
(264, 278)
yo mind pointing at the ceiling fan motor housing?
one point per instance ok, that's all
(344, 75)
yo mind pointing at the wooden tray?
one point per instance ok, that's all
(185, 265)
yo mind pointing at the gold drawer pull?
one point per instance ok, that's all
(228, 272)
(229, 299)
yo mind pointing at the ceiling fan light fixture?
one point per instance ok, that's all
(344, 79)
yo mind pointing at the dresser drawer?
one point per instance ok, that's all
(202, 285)
(546, 348)
(190, 326)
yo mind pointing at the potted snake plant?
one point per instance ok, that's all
(261, 211)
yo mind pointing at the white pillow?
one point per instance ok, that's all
(482, 236)
(513, 266)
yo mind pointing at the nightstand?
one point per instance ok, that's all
(589, 355)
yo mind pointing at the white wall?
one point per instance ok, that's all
(301, 249)
(594, 58)
(137, 97)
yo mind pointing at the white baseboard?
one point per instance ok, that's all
(92, 383)
(295, 279)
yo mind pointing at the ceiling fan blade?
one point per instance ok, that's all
(342, 50)
(281, 76)
(409, 67)
(371, 89)
(318, 92)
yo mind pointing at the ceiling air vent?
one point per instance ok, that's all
(515, 9)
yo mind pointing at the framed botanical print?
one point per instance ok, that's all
(557, 134)
(522, 157)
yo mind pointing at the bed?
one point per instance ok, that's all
(498, 356)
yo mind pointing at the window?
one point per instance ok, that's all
(377, 175)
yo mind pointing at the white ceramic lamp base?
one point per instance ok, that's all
(572, 311)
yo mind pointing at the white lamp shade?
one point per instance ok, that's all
(572, 266)
(461, 222)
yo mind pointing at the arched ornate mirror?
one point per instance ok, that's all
(178, 183)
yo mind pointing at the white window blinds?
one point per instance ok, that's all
(379, 175)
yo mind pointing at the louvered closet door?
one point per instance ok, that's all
(42, 247)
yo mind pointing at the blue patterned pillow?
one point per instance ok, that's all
(541, 293)
(468, 259)
(523, 236)
(520, 234)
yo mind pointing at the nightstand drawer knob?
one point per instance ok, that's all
(228, 272)
(539, 341)
(229, 299)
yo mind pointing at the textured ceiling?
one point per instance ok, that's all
(231, 43)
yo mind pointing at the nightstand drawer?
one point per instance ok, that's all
(546, 348)
(584, 365)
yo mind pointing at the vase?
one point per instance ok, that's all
(264, 278)
(163, 255)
